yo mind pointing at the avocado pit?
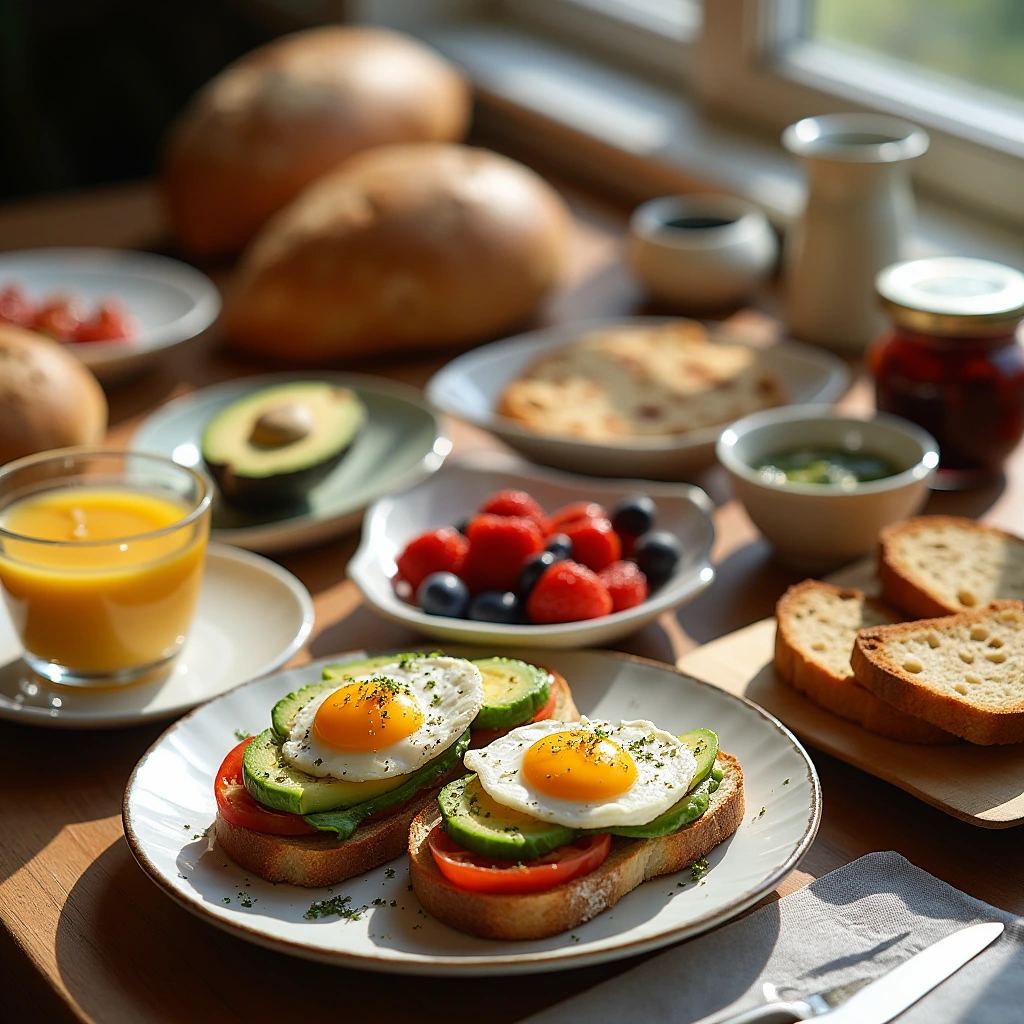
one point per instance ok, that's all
(282, 424)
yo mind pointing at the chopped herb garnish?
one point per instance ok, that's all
(335, 905)
(242, 734)
(785, 782)
(389, 872)
(698, 869)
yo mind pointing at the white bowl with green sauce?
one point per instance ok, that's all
(820, 484)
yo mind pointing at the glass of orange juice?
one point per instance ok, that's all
(101, 561)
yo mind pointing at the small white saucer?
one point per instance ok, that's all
(252, 617)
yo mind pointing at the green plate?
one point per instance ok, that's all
(400, 445)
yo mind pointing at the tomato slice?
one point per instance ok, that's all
(237, 807)
(474, 873)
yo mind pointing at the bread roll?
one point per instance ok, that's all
(264, 128)
(48, 399)
(405, 246)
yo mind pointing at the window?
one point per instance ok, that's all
(980, 42)
(954, 66)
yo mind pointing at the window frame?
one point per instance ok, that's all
(752, 62)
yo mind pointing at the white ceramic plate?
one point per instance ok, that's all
(171, 301)
(252, 617)
(169, 802)
(400, 444)
(471, 385)
(461, 487)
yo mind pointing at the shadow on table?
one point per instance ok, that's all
(127, 952)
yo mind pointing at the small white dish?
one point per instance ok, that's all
(170, 300)
(460, 488)
(253, 616)
(169, 803)
(815, 527)
(471, 385)
(701, 251)
(400, 444)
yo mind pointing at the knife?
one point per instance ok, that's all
(878, 1001)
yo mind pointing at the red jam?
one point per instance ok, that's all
(952, 362)
(968, 393)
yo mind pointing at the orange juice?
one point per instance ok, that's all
(116, 586)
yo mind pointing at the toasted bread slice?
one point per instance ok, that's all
(315, 861)
(565, 710)
(814, 638)
(963, 673)
(538, 915)
(940, 565)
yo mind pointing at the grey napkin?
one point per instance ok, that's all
(856, 922)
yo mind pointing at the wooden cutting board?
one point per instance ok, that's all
(981, 785)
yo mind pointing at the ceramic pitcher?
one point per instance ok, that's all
(858, 219)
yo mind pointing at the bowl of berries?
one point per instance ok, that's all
(489, 550)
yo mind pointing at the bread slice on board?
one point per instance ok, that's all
(323, 859)
(817, 626)
(538, 915)
(963, 673)
(940, 565)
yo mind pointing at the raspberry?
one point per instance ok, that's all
(441, 550)
(594, 542)
(626, 583)
(498, 547)
(577, 510)
(517, 503)
(568, 592)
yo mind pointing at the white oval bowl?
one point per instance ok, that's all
(471, 385)
(814, 527)
(461, 486)
(171, 301)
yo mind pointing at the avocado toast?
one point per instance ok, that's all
(524, 848)
(329, 790)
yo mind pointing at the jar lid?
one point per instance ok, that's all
(952, 295)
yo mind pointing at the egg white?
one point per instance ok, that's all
(665, 769)
(449, 692)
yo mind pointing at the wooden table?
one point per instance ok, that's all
(88, 937)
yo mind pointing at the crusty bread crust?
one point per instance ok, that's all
(841, 694)
(316, 861)
(538, 915)
(565, 711)
(916, 692)
(904, 587)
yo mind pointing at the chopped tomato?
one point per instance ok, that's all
(16, 307)
(474, 873)
(110, 322)
(237, 807)
(59, 318)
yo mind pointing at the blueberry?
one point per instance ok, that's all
(559, 545)
(634, 515)
(657, 553)
(534, 569)
(443, 593)
(495, 606)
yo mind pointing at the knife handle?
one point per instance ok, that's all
(770, 1013)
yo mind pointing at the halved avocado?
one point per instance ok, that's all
(273, 446)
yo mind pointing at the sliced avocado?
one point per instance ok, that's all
(343, 822)
(272, 446)
(513, 692)
(334, 676)
(478, 823)
(690, 808)
(703, 744)
(275, 783)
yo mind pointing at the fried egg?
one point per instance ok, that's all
(586, 774)
(385, 723)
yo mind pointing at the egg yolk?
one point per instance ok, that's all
(578, 766)
(367, 716)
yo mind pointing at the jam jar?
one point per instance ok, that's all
(952, 360)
